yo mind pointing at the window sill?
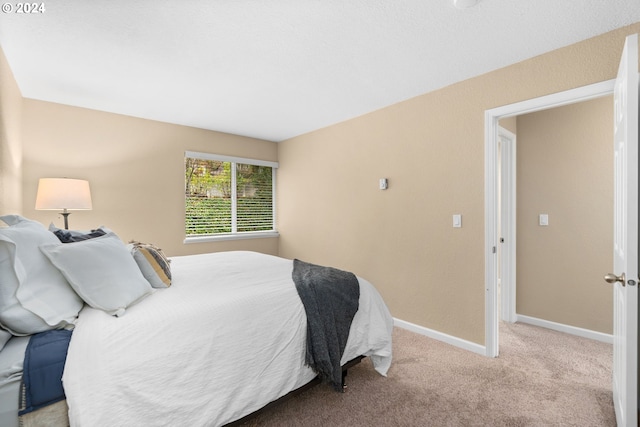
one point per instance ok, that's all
(231, 236)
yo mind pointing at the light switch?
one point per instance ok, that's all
(457, 221)
(383, 183)
(544, 219)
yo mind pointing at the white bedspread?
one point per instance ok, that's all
(225, 339)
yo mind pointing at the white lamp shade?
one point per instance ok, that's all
(63, 193)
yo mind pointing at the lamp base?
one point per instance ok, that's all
(66, 219)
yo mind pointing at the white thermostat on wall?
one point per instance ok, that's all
(384, 183)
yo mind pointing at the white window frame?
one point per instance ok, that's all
(236, 235)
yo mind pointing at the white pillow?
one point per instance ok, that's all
(34, 296)
(102, 272)
(4, 337)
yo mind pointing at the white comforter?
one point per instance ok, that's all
(225, 339)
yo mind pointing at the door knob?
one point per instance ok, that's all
(612, 278)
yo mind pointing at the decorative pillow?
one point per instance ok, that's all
(4, 337)
(34, 296)
(102, 272)
(153, 263)
(69, 236)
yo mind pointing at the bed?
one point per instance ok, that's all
(226, 338)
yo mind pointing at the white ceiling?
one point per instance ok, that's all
(274, 69)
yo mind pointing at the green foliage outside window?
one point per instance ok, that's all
(209, 202)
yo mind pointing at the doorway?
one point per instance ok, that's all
(565, 175)
(493, 186)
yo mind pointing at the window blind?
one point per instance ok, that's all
(227, 195)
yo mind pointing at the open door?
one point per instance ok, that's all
(625, 245)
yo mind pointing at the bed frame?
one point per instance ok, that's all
(296, 392)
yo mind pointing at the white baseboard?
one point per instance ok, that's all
(481, 349)
(585, 333)
(458, 342)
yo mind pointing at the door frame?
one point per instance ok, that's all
(492, 186)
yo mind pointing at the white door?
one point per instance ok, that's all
(625, 245)
(507, 240)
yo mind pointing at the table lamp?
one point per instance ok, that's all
(63, 193)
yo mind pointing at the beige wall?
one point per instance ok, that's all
(510, 124)
(565, 170)
(432, 150)
(135, 168)
(10, 140)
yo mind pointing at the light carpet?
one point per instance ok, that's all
(541, 378)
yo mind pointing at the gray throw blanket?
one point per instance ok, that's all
(330, 298)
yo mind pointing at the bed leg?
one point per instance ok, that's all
(345, 370)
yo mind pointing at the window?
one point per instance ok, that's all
(228, 197)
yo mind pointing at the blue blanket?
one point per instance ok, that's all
(44, 361)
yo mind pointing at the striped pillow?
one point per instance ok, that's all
(153, 264)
